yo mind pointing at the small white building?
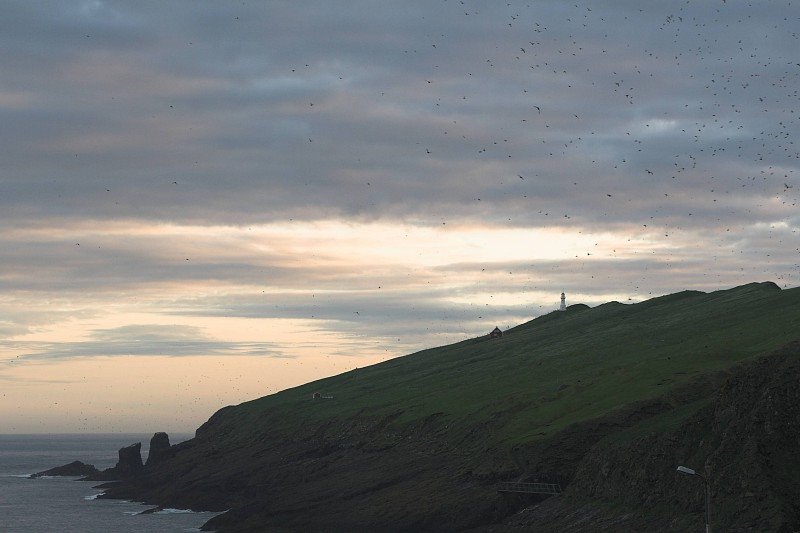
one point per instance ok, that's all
(563, 303)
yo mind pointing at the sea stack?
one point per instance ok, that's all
(159, 448)
(130, 460)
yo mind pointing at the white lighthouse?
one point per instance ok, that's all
(563, 303)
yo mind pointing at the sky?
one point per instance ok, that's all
(202, 203)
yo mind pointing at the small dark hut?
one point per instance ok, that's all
(496, 333)
(316, 396)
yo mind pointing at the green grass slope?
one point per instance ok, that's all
(418, 443)
(545, 375)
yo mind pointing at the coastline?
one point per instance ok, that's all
(66, 503)
(327, 478)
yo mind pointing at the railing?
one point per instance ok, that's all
(530, 488)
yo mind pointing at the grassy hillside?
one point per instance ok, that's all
(551, 372)
(418, 443)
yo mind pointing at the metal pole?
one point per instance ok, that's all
(690, 472)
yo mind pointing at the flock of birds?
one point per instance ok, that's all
(667, 120)
(679, 119)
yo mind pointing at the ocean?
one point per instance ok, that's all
(65, 505)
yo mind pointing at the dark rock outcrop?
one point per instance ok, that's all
(130, 460)
(128, 465)
(744, 440)
(159, 449)
(75, 468)
(555, 459)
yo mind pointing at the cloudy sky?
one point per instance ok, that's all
(205, 202)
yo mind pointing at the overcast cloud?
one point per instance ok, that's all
(401, 174)
(140, 340)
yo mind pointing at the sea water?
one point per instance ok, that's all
(61, 504)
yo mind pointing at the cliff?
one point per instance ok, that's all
(420, 442)
(744, 439)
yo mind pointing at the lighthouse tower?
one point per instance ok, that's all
(563, 303)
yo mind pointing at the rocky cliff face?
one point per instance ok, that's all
(742, 426)
(746, 440)
(347, 475)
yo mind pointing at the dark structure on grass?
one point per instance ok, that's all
(496, 333)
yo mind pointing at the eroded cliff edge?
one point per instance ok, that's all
(618, 470)
(746, 439)
(420, 442)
